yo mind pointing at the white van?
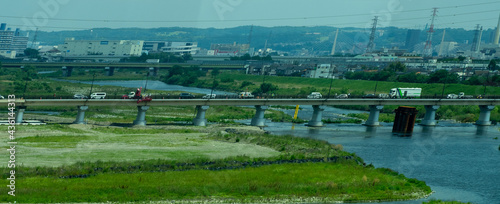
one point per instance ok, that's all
(98, 95)
(245, 94)
(315, 95)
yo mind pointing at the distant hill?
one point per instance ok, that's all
(317, 40)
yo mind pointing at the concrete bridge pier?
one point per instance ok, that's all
(200, 116)
(80, 117)
(484, 115)
(20, 114)
(316, 117)
(153, 71)
(66, 71)
(430, 115)
(141, 115)
(110, 71)
(374, 114)
(258, 119)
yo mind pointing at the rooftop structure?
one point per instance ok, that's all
(179, 48)
(229, 49)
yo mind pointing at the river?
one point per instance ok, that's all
(458, 161)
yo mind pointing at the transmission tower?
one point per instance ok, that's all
(477, 39)
(370, 46)
(428, 43)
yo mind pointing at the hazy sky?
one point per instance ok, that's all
(51, 15)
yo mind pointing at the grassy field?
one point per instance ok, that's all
(56, 145)
(304, 86)
(89, 163)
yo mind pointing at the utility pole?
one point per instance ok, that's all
(91, 86)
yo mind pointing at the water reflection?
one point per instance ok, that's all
(481, 130)
(371, 131)
(455, 159)
(427, 130)
(314, 130)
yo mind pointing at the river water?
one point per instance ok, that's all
(459, 161)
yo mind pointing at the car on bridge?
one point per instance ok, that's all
(245, 94)
(78, 96)
(209, 96)
(186, 96)
(452, 96)
(98, 95)
(370, 96)
(130, 95)
(342, 96)
(315, 95)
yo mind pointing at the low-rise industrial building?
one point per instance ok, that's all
(118, 48)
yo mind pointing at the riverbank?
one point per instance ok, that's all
(227, 163)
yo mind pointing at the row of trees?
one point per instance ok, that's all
(248, 57)
(395, 73)
(182, 76)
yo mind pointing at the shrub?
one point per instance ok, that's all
(226, 80)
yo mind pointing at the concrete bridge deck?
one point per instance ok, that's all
(248, 102)
(261, 105)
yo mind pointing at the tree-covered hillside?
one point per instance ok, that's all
(317, 39)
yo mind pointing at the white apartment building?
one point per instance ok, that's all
(117, 48)
(321, 71)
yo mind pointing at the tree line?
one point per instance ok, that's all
(396, 72)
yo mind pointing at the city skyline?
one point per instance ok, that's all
(56, 15)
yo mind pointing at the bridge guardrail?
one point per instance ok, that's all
(230, 96)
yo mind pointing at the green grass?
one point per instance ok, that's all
(383, 117)
(52, 142)
(169, 163)
(55, 145)
(325, 181)
(357, 121)
(303, 86)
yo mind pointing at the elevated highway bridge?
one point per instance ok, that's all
(376, 105)
(67, 67)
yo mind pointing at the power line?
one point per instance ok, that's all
(242, 20)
